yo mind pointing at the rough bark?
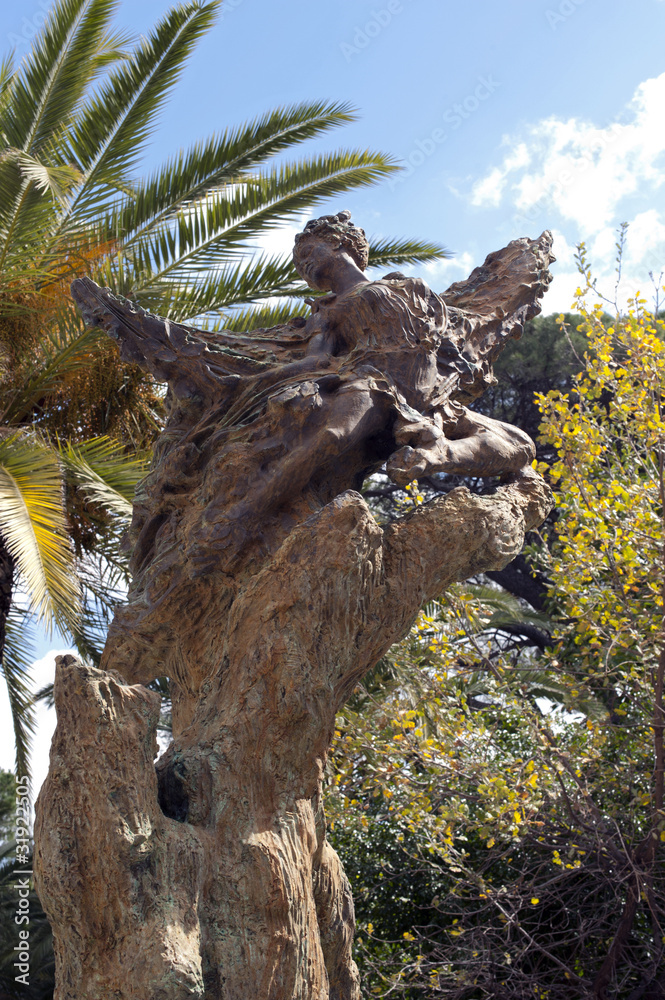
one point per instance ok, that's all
(264, 588)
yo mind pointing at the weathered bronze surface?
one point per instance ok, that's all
(264, 589)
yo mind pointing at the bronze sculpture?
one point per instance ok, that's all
(264, 589)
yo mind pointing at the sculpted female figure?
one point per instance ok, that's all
(370, 377)
(264, 589)
(379, 382)
(395, 329)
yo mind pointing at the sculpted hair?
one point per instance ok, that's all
(339, 231)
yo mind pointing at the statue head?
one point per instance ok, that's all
(332, 233)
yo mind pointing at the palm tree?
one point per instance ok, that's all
(74, 120)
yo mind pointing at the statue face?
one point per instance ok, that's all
(316, 262)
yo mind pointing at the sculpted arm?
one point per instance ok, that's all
(449, 540)
(195, 360)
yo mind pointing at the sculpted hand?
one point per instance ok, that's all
(481, 447)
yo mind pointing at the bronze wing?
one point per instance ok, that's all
(491, 307)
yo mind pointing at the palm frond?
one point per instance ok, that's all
(262, 317)
(113, 47)
(103, 472)
(221, 160)
(544, 684)
(49, 179)
(41, 96)
(46, 695)
(7, 70)
(34, 528)
(48, 87)
(64, 352)
(506, 608)
(263, 277)
(111, 128)
(26, 215)
(386, 253)
(218, 229)
(104, 578)
(17, 659)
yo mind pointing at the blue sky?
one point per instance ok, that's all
(509, 117)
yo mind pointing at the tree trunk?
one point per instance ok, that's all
(264, 588)
(212, 877)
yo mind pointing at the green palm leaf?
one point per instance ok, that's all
(263, 277)
(34, 528)
(47, 178)
(506, 609)
(40, 97)
(104, 579)
(102, 471)
(17, 659)
(65, 350)
(387, 253)
(261, 317)
(218, 229)
(107, 136)
(57, 72)
(220, 161)
(7, 71)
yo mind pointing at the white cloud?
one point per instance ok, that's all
(280, 240)
(560, 294)
(644, 252)
(588, 179)
(581, 170)
(646, 240)
(441, 273)
(43, 672)
(490, 189)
